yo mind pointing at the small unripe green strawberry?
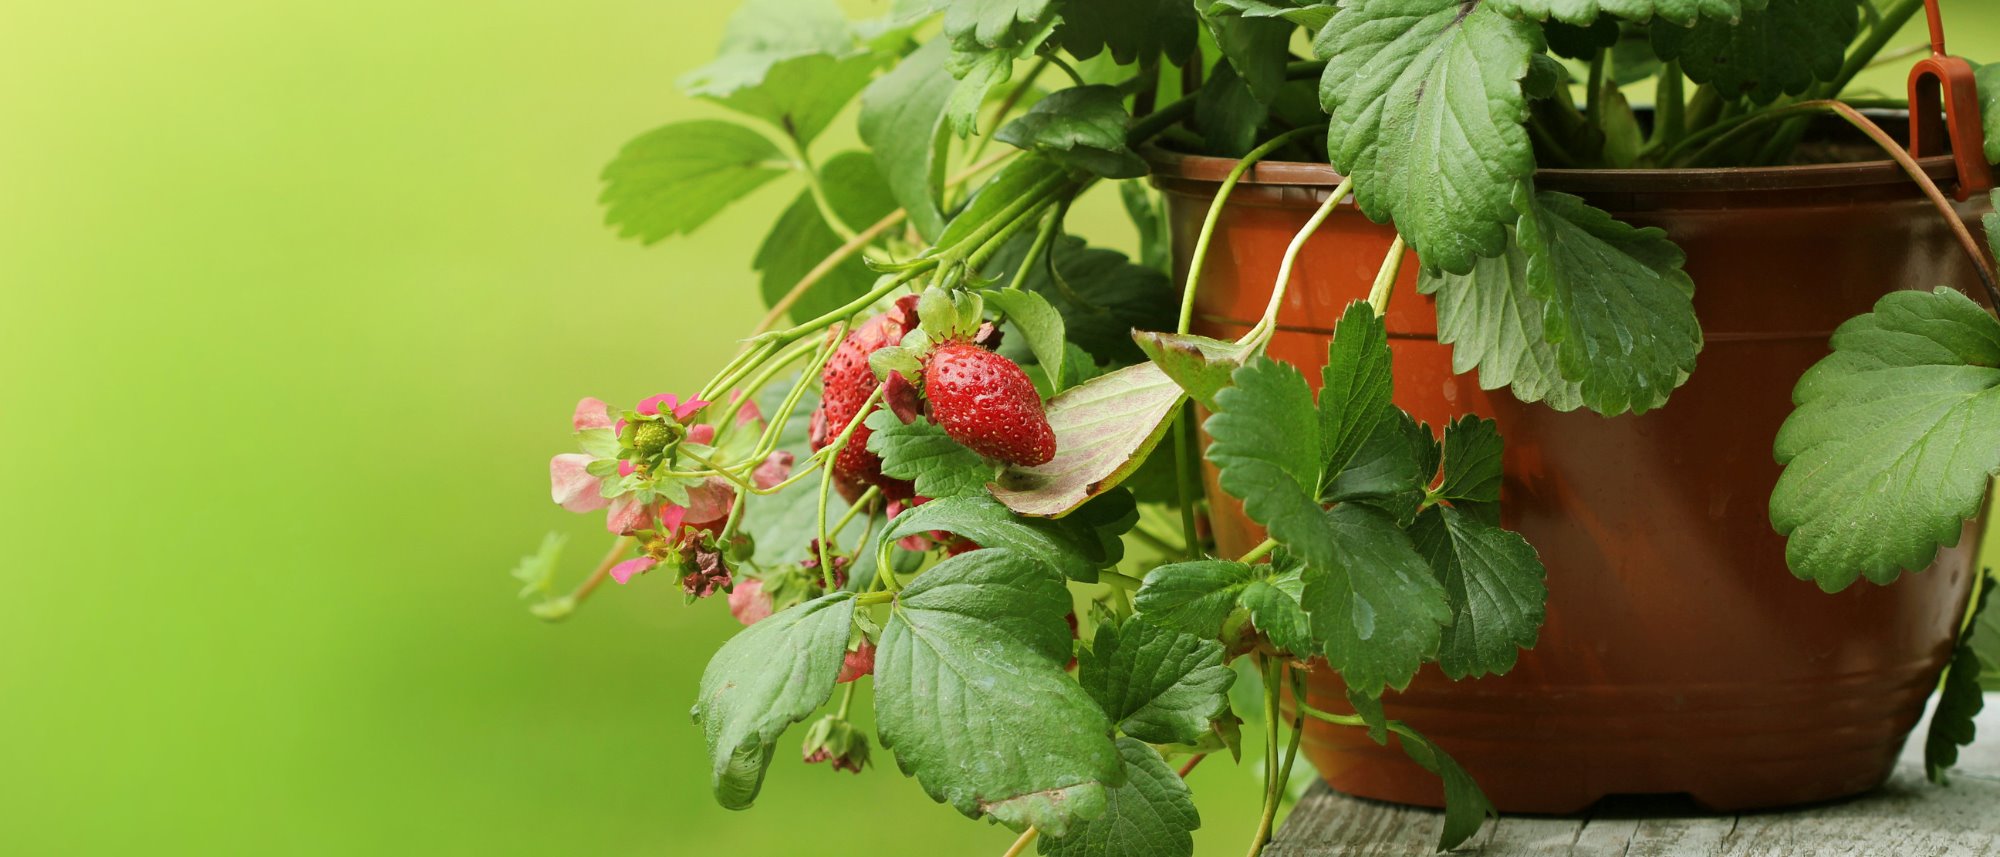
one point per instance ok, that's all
(985, 402)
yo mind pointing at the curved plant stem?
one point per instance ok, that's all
(832, 453)
(1120, 580)
(1020, 845)
(1272, 787)
(1385, 277)
(1184, 480)
(1191, 764)
(858, 504)
(1261, 334)
(817, 188)
(582, 593)
(819, 272)
(1200, 255)
(1937, 197)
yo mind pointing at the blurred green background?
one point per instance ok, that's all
(295, 300)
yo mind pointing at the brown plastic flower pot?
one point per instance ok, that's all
(1679, 654)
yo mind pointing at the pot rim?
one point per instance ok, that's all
(1941, 169)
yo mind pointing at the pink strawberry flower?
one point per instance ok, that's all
(748, 603)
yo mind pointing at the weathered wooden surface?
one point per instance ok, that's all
(1908, 816)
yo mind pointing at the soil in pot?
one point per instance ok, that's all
(1679, 653)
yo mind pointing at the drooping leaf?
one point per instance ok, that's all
(671, 180)
(1200, 365)
(1959, 699)
(1583, 12)
(1466, 808)
(1038, 323)
(1616, 303)
(1427, 109)
(1375, 607)
(1494, 581)
(764, 33)
(1493, 322)
(1083, 128)
(973, 24)
(970, 662)
(1228, 114)
(1894, 439)
(1310, 14)
(1072, 545)
(769, 676)
(1194, 597)
(1131, 29)
(1157, 684)
(1104, 429)
(921, 452)
(1255, 45)
(902, 120)
(1150, 815)
(1780, 50)
(800, 95)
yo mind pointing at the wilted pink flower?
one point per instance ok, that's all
(748, 603)
(572, 487)
(707, 574)
(858, 663)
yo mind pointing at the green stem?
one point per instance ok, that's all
(1259, 552)
(1385, 277)
(1120, 580)
(1184, 480)
(832, 452)
(1043, 239)
(859, 503)
(1670, 116)
(1261, 334)
(1593, 100)
(1020, 845)
(846, 700)
(1198, 260)
(1008, 103)
(1067, 69)
(1271, 785)
(818, 190)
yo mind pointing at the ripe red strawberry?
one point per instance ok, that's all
(848, 383)
(985, 401)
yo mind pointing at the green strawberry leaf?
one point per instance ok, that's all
(1583, 12)
(1105, 429)
(1472, 451)
(1038, 322)
(800, 95)
(902, 120)
(993, 24)
(1200, 365)
(1355, 386)
(1228, 113)
(1959, 698)
(1274, 608)
(1466, 808)
(1266, 445)
(1005, 188)
(1376, 606)
(1494, 581)
(1078, 546)
(671, 180)
(971, 660)
(1157, 684)
(1616, 303)
(1393, 469)
(1082, 128)
(1310, 14)
(763, 33)
(1988, 77)
(1427, 111)
(1255, 45)
(1894, 439)
(1150, 815)
(1131, 29)
(1194, 597)
(1493, 322)
(922, 453)
(769, 676)
(1781, 50)
(537, 571)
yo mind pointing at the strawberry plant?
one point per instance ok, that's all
(957, 464)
